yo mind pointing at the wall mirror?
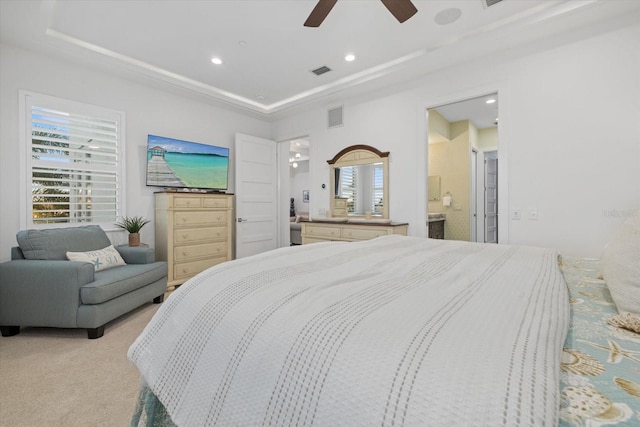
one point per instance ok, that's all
(433, 187)
(359, 186)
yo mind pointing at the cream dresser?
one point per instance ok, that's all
(193, 232)
(319, 231)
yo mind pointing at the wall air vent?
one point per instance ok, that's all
(489, 3)
(321, 70)
(334, 116)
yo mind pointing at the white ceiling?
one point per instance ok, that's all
(482, 114)
(268, 54)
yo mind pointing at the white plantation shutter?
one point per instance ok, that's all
(349, 187)
(74, 162)
(363, 186)
(377, 189)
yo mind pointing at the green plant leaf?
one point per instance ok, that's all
(132, 224)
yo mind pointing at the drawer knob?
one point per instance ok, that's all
(185, 270)
(184, 236)
(185, 253)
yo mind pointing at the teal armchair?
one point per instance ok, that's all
(40, 287)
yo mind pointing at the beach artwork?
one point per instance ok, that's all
(184, 164)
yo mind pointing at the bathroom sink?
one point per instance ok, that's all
(436, 216)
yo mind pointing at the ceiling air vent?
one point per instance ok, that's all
(335, 117)
(489, 3)
(321, 70)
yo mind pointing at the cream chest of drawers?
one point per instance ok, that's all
(193, 232)
(318, 231)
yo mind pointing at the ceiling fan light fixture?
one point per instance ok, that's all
(319, 13)
(400, 9)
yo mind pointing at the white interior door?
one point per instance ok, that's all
(256, 195)
(491, 200)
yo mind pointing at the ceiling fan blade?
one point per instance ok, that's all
(319, 12)
(401, 9)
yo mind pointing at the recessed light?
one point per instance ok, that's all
(490, 101)
(242, 43)
(350, 57)
(260, 97)
(216, 60)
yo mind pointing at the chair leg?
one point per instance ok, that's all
(95, 333)
(158, 299)
(9, 331)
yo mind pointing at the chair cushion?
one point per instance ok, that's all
(118, 281)
(54, 243)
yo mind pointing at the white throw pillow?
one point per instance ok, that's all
(621, 266)
(101, 259)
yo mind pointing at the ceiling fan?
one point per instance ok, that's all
(401, 9)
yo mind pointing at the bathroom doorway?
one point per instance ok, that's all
(462, 144)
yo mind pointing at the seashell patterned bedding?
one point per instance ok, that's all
(600, 367)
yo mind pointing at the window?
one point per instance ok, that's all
(348, 187)
(363, 187)
(73, 162)
(377, 189)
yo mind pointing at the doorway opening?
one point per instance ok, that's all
(462, 143)
(298, 185)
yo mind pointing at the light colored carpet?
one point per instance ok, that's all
(58, 377)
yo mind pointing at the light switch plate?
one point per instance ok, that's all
(533, 214)
(516, 214)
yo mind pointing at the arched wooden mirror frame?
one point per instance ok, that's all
(353, 156)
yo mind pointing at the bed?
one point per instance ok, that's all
(600, 376)
(392, 331)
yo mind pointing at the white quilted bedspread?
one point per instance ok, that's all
(392, 331)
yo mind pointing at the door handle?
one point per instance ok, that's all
(242, 220)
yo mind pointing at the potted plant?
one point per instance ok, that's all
(133, 226)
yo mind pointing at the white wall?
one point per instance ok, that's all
(569, 134)
(381, 123)
(569, 139)
(148, 111)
